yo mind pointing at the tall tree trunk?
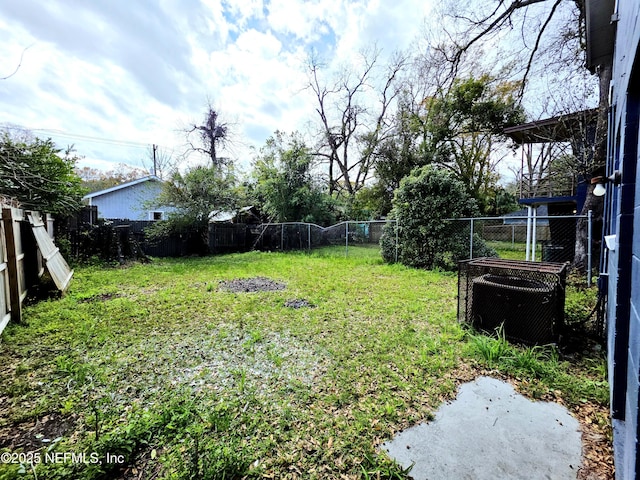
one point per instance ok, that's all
(593, 203)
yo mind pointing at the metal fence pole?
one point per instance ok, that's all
(589, 251)
(533, 234)
(282, 238)
(528, 243)
(471, 241)
(346, 239)
(513, 236)
(309, 236)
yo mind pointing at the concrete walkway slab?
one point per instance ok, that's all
(491, 432)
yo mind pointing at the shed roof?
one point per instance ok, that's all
(541, 211)
(221, 217)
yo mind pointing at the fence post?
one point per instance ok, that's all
(589, 251)
(471, 242)
(309, 236)
(513, 236)
(282, 238)
(12, 265)
(528, 241)
(533, 234)
(346, 239)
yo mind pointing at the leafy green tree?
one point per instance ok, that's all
(195, 196)
(395, 158)
(369, 203)
(552, 38)
(34, 172)
(463, 128)
(284, 185)
(502, 201)
(422, 205)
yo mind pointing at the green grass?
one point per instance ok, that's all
(370, 251)
(155, 365)
(513, 251)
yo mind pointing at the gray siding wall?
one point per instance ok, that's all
(128, 202)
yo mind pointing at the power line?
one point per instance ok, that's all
(88, 138)
(82, 137)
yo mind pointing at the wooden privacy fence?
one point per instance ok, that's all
(26, 248)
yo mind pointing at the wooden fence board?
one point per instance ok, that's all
(22, 260)
(5, 311)
(57, 266)
(14, 259)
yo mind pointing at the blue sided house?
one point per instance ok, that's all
(129, 200)
(613, 36)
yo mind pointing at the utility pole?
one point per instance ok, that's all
(155, 147)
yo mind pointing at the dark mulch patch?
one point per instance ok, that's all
(256, 284)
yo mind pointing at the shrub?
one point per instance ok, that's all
(422, 206)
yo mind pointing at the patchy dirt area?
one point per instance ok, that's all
(100, 298)
(35, 434)
(235, 360)
(298, 303)
(249, 285)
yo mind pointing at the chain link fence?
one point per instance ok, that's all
(340, 238)
(541, 238)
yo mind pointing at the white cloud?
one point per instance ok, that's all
(258, 44)
(137, 71)
(307, 21)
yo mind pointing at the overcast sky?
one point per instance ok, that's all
(135, 71)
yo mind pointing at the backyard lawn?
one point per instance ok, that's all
(171, 370)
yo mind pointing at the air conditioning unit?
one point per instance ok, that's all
(523, 300)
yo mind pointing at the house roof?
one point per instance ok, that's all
(150, 178)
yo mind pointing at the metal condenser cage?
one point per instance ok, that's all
(523, 299)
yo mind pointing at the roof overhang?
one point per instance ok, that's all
(561, 128)
(600, 32)
(535, 201)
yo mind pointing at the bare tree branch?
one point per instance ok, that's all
(492, 27)
(534, 50)
(19, 64)
(351, 127)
